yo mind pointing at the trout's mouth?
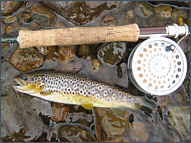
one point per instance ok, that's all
(18, 84)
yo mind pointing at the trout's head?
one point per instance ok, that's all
(28, 83)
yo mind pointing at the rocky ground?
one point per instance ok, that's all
(24, 118)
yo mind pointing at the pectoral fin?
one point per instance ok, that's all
(87, 106)
(45, 93)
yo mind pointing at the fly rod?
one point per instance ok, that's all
(88, 35)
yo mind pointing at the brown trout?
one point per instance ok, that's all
(73, 89)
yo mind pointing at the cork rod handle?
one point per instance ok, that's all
(78, 35)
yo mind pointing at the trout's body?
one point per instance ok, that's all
(73, 89)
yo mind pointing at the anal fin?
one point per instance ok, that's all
(87, 106)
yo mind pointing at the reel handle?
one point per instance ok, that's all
(78, 35)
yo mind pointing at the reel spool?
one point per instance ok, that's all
(158, 66)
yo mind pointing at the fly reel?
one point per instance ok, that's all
(158, 66)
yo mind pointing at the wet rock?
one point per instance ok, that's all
(144, 10)
(119, 71)
(18, 121)
(175, 138)
(66, 54)
(25, 28)
(163, 11)
(75, 133)
(155, 22)
(2, 28)
(180, 120)
(181, 96)
(92, 66)
(33, 26)
(42, 16)
(163, 100)
(77, 12)
(13, 29)
(26, 59)
(137, 132)
(72, 67)
(8, 29)
(29, 3)
(178, 12)
(112, 53)
(59, 24)
(176, 3)
(140, 21)
(180, 21)
(51, 59)
(7, 78)
(42, 49)
(123, 20)
(84, 50)
(178, 97)
(10, 19)
(81, 116)
(110, 124)
(8, 7)
(130, 14)
(171, 99)
(25, 17)
(59, 112)
(108, 21)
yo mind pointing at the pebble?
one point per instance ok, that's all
(155, 22)
(29, 3)
(112, 53)
(144, 10)
(84, 50)
(178, 12)
(59, 112)
(108, 21)
(79, 12)
(26, 60)
(137, 132)
(42, 49)
(123, 20)
(66, 54)
(110, 126)
(171, 99)
(33, 25)
(59, 24)
(2, 28)
(10, 19)
(180, 20)
(75, 133)
(130, 14)
(51, 59)
(25, 17)
(140, 21)
(13, 29)
(25, 28)
(72, 67)
(8, 7)
(93, 66)
(42, 16)
(178, 97)
(8, 29)
(163, 100)
(163, 12)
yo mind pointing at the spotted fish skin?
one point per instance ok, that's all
(73, 89)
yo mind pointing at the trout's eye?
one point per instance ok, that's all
(25, 77)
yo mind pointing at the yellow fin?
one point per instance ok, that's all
(87, 106)
(45, 93)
